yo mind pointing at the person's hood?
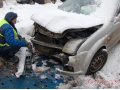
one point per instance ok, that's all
(58, 21)
(10, 16)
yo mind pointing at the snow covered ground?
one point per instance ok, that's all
(108, 77)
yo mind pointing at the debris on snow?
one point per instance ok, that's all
(41, 69)
(43, 76)
(57, 76)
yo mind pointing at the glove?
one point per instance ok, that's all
(29, 45)
(20, 37)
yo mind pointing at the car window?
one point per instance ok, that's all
(80, 6)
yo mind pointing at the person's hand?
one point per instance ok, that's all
(20, 37)
(29, 45)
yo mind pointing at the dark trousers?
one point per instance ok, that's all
(8, 52)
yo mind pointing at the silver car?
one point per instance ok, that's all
(79, 34)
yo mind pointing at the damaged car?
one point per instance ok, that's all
(79, 33)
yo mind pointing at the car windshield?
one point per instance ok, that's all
(80, 6)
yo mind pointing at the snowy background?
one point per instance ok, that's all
(108, 77)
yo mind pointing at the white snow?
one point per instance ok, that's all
(58, 21)
(43, 76)
(108, 77)
(106, 13)
(22, 53)
(24, 22)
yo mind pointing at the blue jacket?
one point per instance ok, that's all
(9, 37)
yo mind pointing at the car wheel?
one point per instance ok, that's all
(97, 62)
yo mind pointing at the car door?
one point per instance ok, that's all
(114, 35)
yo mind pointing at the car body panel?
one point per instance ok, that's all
(75, 44)
(98, 40)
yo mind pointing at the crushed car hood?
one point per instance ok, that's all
(58, 21)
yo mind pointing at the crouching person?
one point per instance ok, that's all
(11, 42)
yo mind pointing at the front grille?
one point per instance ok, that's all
(44, 31)
(42, 34)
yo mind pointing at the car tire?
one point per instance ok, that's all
(97, 62)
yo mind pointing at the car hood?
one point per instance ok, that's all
(58, 21)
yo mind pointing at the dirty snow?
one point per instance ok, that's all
(108, 77)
